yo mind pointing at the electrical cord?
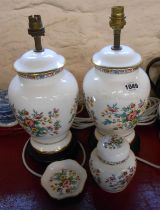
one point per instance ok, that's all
(25, 163)
(81, 123)
(148, 163)
(38, 174)
(151, 113)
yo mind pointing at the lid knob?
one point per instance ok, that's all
(36, 30)
(117, 22)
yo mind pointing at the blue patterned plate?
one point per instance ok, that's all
(7, 118)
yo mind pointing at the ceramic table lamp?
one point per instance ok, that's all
(44, 95)
(116, 88)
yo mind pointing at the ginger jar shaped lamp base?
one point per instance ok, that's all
(38, 93)
(116, 89)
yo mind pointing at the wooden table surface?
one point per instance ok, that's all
(20, 190)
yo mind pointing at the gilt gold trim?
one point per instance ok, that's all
(117, 70)
(40, 75)
(113, 163)
(52, 152)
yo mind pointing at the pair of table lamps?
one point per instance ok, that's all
(44, 95)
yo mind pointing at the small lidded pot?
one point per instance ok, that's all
(112, 164)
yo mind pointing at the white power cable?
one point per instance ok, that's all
(39, 175)
(81, 123)
(25, 163)
(150, 116)
(148, 163)
(151, 113)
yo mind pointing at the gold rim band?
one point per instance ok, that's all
(40, 75)
(116, 70)
(114, 163)
(53, 152)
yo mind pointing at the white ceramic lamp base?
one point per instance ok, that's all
(52, 147)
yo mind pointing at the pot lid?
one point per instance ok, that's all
(35, 62)
(113, 149)
(110, 58)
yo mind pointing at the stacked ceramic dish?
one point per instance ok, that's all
(7, 118)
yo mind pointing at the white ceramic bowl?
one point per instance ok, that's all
(63, 179)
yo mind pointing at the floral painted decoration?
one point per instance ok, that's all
(37, 123)
(114, 142)
(95, 172)
(114, 182)
(120, 181)
(125, 117)
(64, 181)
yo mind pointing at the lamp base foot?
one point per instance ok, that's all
(38, 161)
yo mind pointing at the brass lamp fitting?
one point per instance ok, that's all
(36, 30)
(117, 22)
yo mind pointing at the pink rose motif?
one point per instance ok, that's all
(49, 127)
(29, 122)
(38, 116)
(131, 116)
(112, 109)
(66, 183)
